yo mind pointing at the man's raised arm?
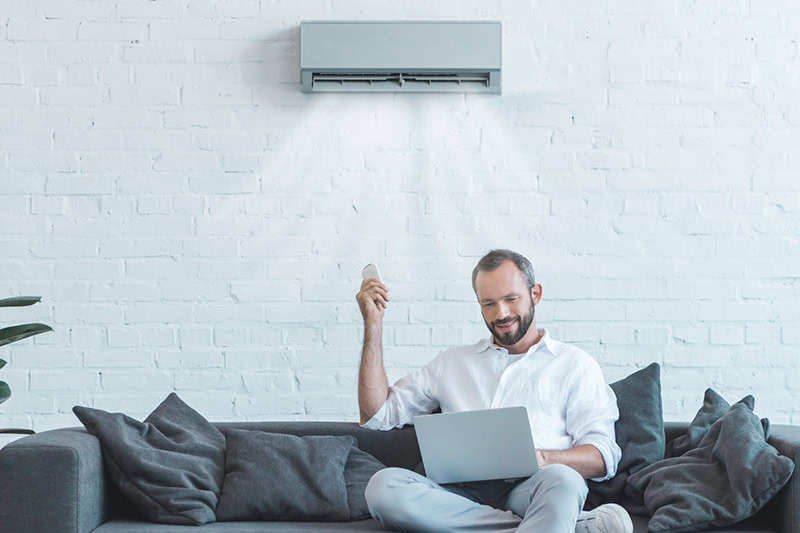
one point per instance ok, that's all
(373, 387)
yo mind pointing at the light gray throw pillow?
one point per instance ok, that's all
(274, 476)
(169, 467)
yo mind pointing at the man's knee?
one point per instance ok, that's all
(381, 492)
(564, 478)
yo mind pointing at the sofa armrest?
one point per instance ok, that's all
(53, 481)
(783, 511)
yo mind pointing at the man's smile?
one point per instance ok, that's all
(506, 327)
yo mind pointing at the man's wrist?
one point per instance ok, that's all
(547, 457)
(541, 458)
(373, 326)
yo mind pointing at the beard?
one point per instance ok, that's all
(510, 338)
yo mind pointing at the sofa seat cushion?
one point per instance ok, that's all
(135, 526)
(748, 526)
(362, 526)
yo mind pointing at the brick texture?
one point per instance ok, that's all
(195, 223)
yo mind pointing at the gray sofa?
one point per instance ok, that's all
(54, 482)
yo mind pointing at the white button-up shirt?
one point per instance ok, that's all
(562, 387)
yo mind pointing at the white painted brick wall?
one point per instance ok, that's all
(195, 223)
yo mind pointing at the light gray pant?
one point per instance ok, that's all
(547, 502)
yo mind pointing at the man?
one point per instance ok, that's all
(571, 410)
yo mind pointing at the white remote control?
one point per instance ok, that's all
(371, 271)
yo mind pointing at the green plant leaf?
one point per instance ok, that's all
(18, 431)
(20, 301)
(5, 391)
(2, 363)
(17, 333)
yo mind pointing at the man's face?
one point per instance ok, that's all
(506, 303)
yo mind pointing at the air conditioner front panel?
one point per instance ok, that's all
(399, 47)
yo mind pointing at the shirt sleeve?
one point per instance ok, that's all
(591, 414)
(410, 396)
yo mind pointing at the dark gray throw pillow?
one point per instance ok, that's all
(723, 479)
(274, 476)
(713, 408)
(169, 467)
(358, 470)
(639, 434)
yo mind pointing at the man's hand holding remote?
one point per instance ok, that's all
(372, 300)
(373, 296)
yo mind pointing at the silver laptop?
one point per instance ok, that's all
(477, 445)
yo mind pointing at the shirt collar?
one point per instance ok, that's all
(546, 341)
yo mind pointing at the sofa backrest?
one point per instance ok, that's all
(397, 447)
(393, 448)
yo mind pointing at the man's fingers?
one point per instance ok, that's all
(382, 300)
(382, 293)
(373, 282)
(372, 292)
(371, 288)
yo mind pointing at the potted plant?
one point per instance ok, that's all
(14, 334)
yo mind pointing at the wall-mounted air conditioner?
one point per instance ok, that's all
(400, 56)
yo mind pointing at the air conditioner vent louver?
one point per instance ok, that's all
(400, 56)
(392, 81)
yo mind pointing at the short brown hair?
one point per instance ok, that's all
(495, 258)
